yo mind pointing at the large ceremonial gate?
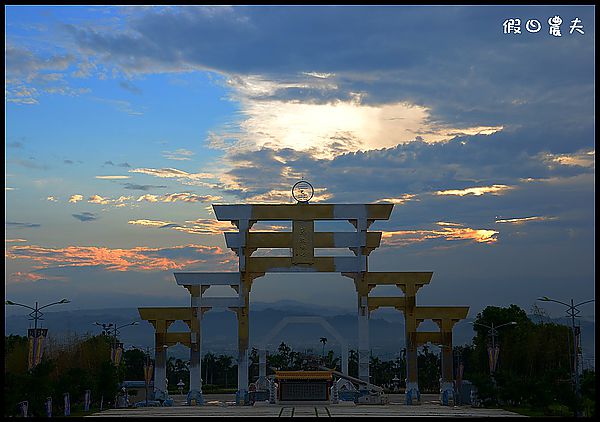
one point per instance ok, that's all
(302, 240)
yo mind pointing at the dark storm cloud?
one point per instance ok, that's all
(455, 60)
(415, 167)
(85, 216)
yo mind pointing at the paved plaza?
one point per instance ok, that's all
(222, 405)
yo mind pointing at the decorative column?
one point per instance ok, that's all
(412, 394)
(243, 338)
(446, 384)
(364, 353)
(195, 393)
(160, 361)
(242, 393)
(363, 338)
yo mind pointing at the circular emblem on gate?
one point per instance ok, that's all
(303, 191)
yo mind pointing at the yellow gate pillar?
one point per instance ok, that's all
(160, 359)
(445, 317)
(412, 394)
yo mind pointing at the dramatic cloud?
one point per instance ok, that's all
(331, 129)
(401, 200)
(335, 53)
(200, 226)
(478, 165)
(476, 191)
(134, 259)
(581, 158)
(85, 216)
(447, 231)
(523, 220)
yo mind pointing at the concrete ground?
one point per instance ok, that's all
(224, 405)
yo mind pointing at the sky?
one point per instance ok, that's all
(125, 124)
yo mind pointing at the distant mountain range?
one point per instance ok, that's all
(219, 328)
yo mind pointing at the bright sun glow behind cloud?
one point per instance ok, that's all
(331, 128)
(303, 126)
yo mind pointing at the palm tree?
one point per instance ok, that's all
(323, 340)
(331, 361)
(223, 363)
(209, 363)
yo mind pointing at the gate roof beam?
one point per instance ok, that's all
(444, 316)
(380, 302)
(284, 240)
(274, 212)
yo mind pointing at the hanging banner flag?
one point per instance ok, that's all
(49, 407)
(148, 372)
(493, 353)
(116, 353)
(24, 406)
(36, 346)
(459, 374)
(87, 400)
(67, 404)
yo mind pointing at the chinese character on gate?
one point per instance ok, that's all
(533, 25)
(576, 26)
(512, 26)
(555, 26)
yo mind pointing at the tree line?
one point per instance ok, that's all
(533, 370)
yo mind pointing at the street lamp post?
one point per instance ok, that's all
(572, 312)
(106, 328)
(36, 313)
(493, 332)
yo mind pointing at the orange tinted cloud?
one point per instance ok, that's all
(134, 259)
(524, 219)
(447, 231)
(399, 200)
(20, 277)
(477, 191)
(200, 226)
(75, 198)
